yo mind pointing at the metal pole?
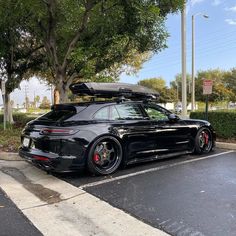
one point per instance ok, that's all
(206, 114)
(193, 65)
(4, 114)
(183, 39)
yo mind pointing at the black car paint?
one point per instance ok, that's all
(142, 140)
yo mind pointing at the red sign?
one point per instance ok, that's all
(207, 86)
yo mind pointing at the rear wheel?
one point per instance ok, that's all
(203, 141)
(105, 156)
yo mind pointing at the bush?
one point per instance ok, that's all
(224, 122)
(20, 119)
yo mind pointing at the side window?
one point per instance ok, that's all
(129, 111)
(155, 114)
(114, 113)
(102, 114)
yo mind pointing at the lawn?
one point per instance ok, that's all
(9, 139)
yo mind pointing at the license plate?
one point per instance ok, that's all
(26, 142)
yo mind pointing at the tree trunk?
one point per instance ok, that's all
(62, 86)
(56, 95)
(7, 106)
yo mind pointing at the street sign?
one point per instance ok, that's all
(207, 86)
(3, 87)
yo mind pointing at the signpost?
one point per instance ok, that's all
(207, 89)
(4, 105)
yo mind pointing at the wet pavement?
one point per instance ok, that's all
(12, 220)
(188, 195)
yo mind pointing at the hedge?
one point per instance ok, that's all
(224, 122)
(20, 119)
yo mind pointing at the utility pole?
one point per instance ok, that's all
(193, 58)
(3, 82)
(26, 97)
(183, 40)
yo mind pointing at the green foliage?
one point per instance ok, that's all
(223, 85)
(45, 104)
(85, 38)
(224, 122)
(176, 85)
(20, 119)
(159, 84)
(10, 138)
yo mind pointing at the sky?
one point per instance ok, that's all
(215, 47)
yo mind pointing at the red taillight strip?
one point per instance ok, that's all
(56, 131)
(40, 158)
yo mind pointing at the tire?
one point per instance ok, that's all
(203, 141)
(105, 156)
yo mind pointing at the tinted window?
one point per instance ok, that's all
(114, 113)
(102, 114)
(57, 115)
(155, 113)
(129, 111)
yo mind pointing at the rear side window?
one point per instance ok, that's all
(102, 114)
(57, 115)
(129, 111)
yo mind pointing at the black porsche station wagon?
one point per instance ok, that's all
(102, 135)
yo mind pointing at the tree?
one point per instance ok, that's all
(230, 82)
(83, 38)
(45, 104)
(177, 86)
(19, 51)
(159, 84)
(221, 90)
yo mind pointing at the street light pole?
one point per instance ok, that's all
(183, 39)
(193, 59)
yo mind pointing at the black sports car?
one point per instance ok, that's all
(100, 136)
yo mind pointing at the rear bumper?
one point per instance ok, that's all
(50, 161)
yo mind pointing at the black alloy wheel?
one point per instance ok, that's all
(105, 156)
(203, 141)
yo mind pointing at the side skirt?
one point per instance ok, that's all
(157, 157)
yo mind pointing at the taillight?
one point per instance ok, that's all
(55, 131)
(40, 158)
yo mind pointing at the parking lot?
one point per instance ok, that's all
(188, 195)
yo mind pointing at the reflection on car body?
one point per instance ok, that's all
(100, 136)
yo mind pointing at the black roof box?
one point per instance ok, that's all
(109, 90)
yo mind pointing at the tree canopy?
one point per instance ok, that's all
(84, 38)
(159, 84)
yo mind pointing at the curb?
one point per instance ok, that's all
(12, 156)
(222, 145)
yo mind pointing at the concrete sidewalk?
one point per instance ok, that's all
(11, 156)
(58, 208)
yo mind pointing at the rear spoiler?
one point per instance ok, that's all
(109, 90)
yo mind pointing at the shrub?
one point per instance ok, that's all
(224, 122)
(20, 119)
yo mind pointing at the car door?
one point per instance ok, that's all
(135, 128)
(172, 135)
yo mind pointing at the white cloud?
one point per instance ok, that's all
(232, 8)
(216, 2)
(230, 21)
(193, 2)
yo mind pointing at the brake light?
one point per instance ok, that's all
(40, 158)
(48, 131)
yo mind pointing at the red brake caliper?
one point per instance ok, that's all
(206, 137)
(96, 158)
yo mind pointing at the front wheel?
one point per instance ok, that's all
(105, 156)
(203, 141)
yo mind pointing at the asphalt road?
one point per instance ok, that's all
(188, 195)
(12, 220)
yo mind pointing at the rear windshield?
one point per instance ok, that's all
(57, 115)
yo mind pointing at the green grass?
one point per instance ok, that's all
(10, 138)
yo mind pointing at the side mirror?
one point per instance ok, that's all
(173, 117)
